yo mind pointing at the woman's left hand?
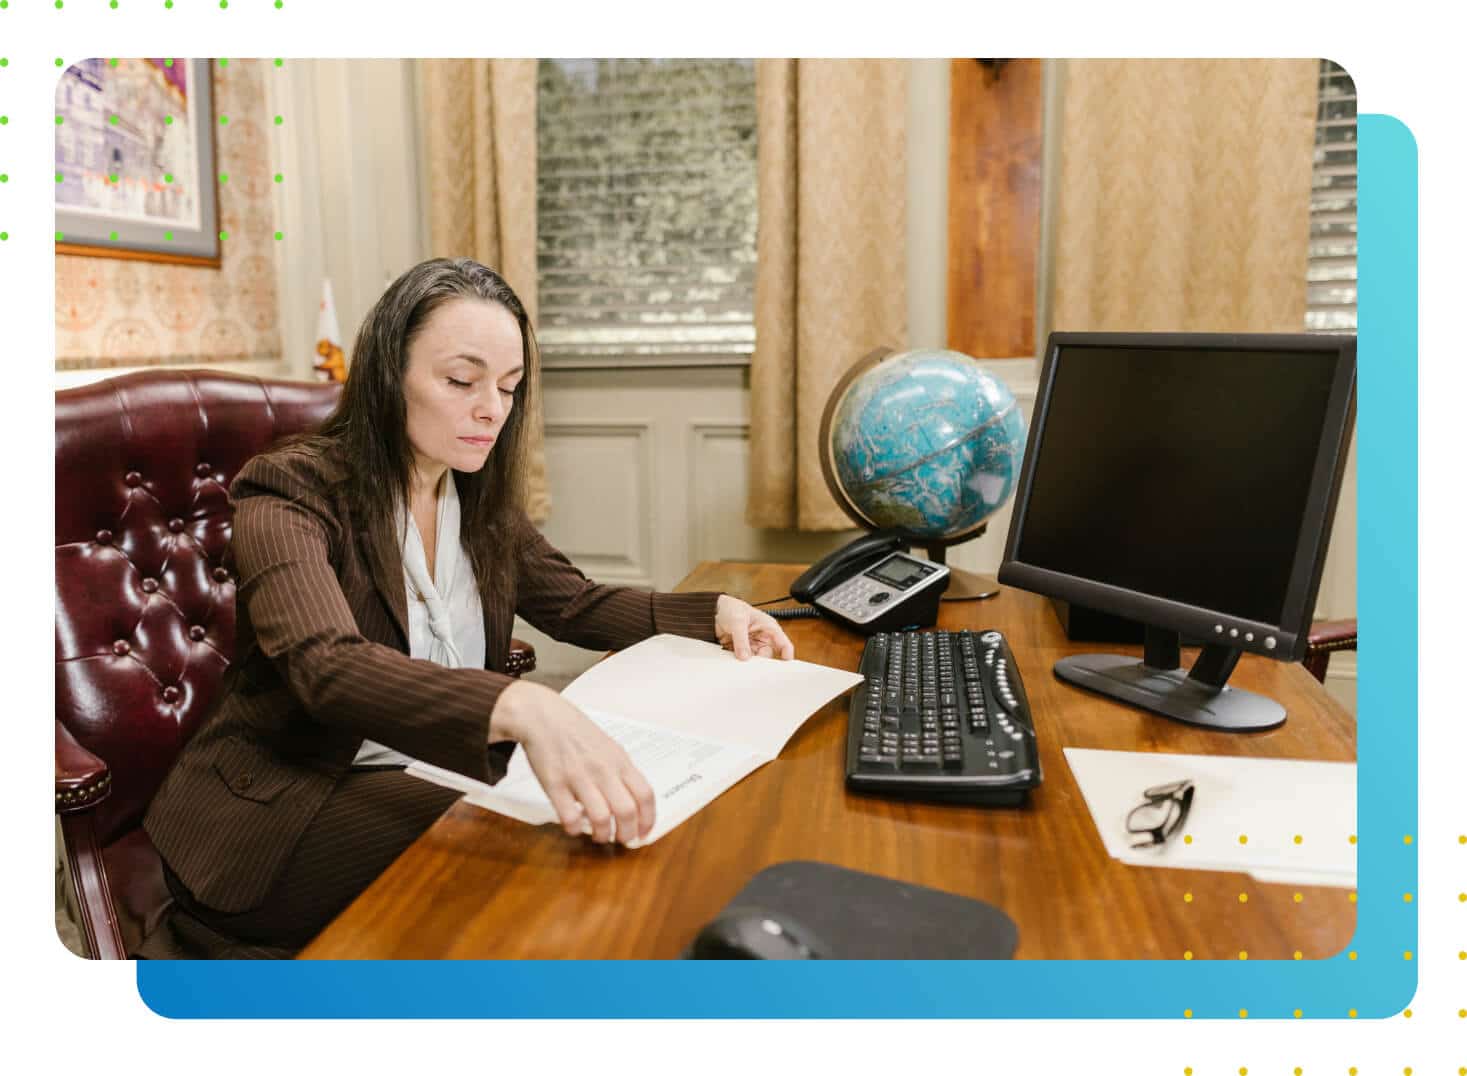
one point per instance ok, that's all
(750, 632)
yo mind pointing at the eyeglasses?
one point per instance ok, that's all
(1162, 815)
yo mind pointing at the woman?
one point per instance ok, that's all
(379, 564)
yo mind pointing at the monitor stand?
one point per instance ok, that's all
(1157, 683)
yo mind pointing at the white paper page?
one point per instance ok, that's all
(1269, 801)
(685, 772)
(702, 690)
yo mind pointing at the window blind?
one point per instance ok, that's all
(1332, 232)
(647, 208)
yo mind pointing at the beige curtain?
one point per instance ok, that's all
(832, 269)
(1183, 195)
(479, 121)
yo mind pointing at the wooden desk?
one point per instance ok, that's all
(480, 886)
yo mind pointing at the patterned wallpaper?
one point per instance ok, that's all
(122, 313)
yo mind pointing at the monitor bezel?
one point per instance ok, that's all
(1290, 634)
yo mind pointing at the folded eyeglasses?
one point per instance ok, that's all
(1161, 815)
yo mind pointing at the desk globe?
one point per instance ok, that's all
(926, 443)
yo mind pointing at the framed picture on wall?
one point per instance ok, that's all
(135, 162)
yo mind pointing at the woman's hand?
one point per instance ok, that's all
(750, 632)
(588, 777)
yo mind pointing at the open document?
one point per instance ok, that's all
(693, 718)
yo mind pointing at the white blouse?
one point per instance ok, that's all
(445, 616)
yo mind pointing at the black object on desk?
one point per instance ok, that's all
(832, 912)
(942, 716)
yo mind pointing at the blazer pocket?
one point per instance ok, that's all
(252, 772)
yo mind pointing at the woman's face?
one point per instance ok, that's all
(461, 373)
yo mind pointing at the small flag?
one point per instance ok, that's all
(330, 364)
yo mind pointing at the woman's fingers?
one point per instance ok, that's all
(598, 812)
(567, 809)
(646, 800)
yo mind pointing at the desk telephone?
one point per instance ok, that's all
(873, 585)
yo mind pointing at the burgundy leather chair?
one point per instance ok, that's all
(144, 611)
(1325, 637)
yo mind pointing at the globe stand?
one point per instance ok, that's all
(962, 585)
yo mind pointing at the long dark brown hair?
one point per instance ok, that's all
(369, 425)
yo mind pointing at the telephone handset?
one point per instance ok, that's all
(846, 562)
(873, 584)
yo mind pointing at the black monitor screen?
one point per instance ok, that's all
(1178, 473)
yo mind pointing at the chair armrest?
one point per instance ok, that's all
(82, 779)
(521, 658)
(1332, 635)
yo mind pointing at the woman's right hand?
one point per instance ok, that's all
(586, 774)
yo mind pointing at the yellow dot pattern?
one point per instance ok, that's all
(1407, 954)
(1243, 954)
(1187, 955)
(1187, 897)
(1298, 1014)
(1243, 1015)
(1298, 898)
(1242, 838)
(1353, 898)
(1187, 1013)
(1353, 954)
(1242, 898)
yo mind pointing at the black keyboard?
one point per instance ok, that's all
(943, 716)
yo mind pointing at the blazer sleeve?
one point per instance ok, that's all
(284, 531)
(555, 597)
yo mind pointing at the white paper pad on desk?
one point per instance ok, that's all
(1268, 800)
(693, 718)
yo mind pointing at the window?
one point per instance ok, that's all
(647, 208)
(1332, 234)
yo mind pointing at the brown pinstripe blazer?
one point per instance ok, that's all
(321, 663)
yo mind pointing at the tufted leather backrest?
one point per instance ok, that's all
(144, 609)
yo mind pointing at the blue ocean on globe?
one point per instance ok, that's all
(928, 442)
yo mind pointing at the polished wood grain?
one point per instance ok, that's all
(480, 886)
(993, 199)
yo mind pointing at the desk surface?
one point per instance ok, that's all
(480, 886)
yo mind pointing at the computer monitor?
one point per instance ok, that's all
(1189, 482)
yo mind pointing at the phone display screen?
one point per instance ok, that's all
(898, 572)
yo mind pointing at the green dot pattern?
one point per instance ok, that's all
(167, 177)
(223, 63)
(279, 120)
(168, 236)
(112, 236)
(168, 121)
(223, 177)
(279, 235)
(223, 121)
(4, 178)
(4, 236)
(223, 235)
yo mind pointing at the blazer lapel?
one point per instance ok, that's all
(386, 570)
